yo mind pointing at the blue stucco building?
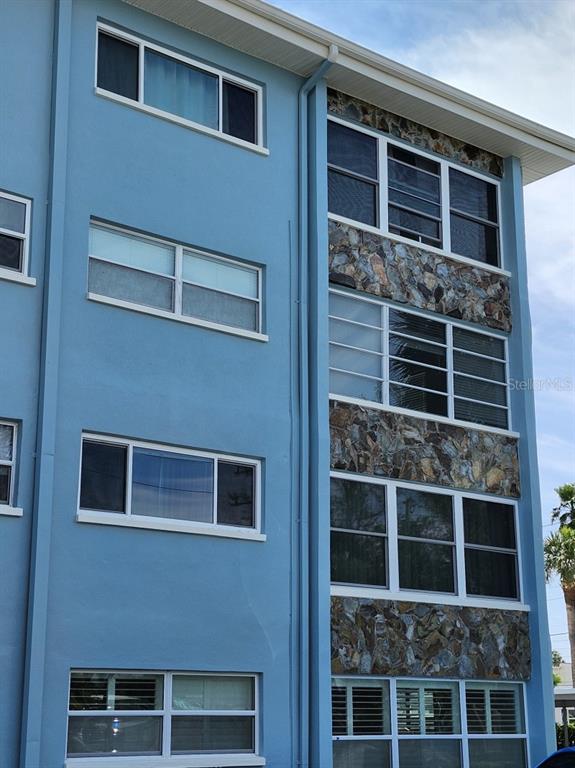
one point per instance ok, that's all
(268, 485)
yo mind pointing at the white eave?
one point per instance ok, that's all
(268, 33)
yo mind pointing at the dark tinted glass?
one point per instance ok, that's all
(212, 734)
(368, 710)
(425, 515)
(493, 574)
(10, 252)
(407, 224)
(471, 195)
(413, 159)
(480, 390)
(502, 753)
(436, 753)
(489, 523)
(481, 413)
(474, 240)
(359, 506)
(417, 399)
(418, 351)
(236, 494)
(338, 710)
(351, 150)
(479, 342)
(239, 112)
(4, 484)
(414, 325)
(358, 559)
(478, 366)
(88, 691)
(105, 735)
(117, 66)
(12, 215)
(426, 566)
(417, 375)
(411, 201)
(367, 753)
(103, 484)
(352, 198)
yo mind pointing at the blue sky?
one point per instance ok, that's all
(519, 54)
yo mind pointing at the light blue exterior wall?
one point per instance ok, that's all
(110, 597)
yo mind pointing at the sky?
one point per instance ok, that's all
(518, 54)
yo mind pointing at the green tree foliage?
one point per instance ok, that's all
(564, 513)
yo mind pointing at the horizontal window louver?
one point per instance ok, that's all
(476, 711)
(503, 712)
(88, 692)
(408, 712)
(338, 711)
(367, 706)
(136, 693)
(438, 711)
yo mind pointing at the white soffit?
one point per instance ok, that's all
(270, 34)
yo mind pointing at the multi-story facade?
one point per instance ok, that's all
(266, 306)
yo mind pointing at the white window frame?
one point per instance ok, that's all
(221, 74)
(21, 275)
(449, 393)
(463, 737)
(460, 597)
(178, 281)
(166, 760)
(382, 199)
(8, 509)
(128, 520)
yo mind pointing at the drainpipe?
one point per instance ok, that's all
(306, 622)
(35, 661)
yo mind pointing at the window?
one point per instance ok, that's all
(361, 709)
(7, 462)
(423, 199)
(171, 713)
(426, 723)
(426, 541)
(490, 548)
(406, 360)
(352, 174)
(142, 481)
(162, 277)
(358, 533)
(445, 542)
(14, 233)
(177, 87)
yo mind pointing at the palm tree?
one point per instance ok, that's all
(559, 549)
(565, 512)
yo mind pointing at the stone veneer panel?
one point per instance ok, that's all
(422, 279)
(388, 637)
(345, 106)
(386, 444)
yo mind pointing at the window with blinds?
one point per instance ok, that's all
(407, 360)
(424, 727)
(135, 713)
(7, 462)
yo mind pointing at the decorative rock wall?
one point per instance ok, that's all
(411, 275)
(345, 106)
(386, 444)
(383, 637)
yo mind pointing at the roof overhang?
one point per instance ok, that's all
(271, 34)
(564, 697)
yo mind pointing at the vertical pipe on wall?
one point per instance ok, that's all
(307, 608)
(30, 749)
(540, 689)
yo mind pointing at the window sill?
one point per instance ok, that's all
(437, 598)
(9, 511)
(181, 761)
(177, 318)
(421, 246)
(424, 416)
(257, 148)
(162, 524)
(16, 277)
